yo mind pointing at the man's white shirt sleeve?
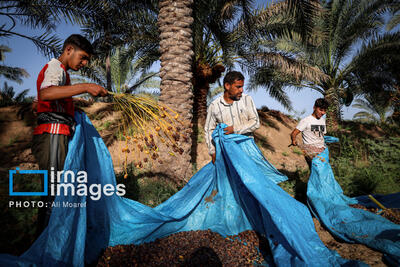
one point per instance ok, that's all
(209, 127)
(253, 122)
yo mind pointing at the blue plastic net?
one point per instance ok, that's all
(238, 193)
(352, 225)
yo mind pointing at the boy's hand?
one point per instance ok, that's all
(228, 130)
(96, 90)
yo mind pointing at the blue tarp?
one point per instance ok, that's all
(247, 197)
(331, 207)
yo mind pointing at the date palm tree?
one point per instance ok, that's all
(338, 30)
(14, 74)
(127, 72)
(39, 14)
(213, 45)
(375, 108)
(272, 57)
(210, 40)
(176, 47)
(122, 23)
(8, 96)
(395, 19)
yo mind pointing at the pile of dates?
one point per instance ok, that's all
(192, 248)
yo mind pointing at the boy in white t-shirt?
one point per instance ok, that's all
(313, 129)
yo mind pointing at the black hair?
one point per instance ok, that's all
(80, 42)
(233, 76)
(321, 103)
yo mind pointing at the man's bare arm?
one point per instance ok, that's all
(60, 92)
(293, 136)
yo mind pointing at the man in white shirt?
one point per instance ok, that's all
(232, 108)
(313, 129)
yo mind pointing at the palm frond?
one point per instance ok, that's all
(393, 22)
(21, 97)
(13, 73)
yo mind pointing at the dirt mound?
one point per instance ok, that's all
(15, 140)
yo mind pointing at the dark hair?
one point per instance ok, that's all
(233, 76)
(80, 42)
(321, 103)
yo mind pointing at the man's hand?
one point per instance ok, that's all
(96, 90)
(213, 158)
(293, 136)
(228, 130)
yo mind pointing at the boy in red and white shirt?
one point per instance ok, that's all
(55, 110)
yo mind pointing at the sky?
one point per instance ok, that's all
(25, 55)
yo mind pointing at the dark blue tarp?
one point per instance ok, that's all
(352, 225)
(248, 197)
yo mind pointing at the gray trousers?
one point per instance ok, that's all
(50, 150)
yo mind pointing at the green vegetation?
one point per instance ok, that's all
(361, 166)
(367, 166)
(297, 151)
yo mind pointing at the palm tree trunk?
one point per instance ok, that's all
(204, 75)
(108, 71)
(200, 103)
(333, 112)
(174, 22)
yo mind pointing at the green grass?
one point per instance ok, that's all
(285, 154)
(297, 151)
